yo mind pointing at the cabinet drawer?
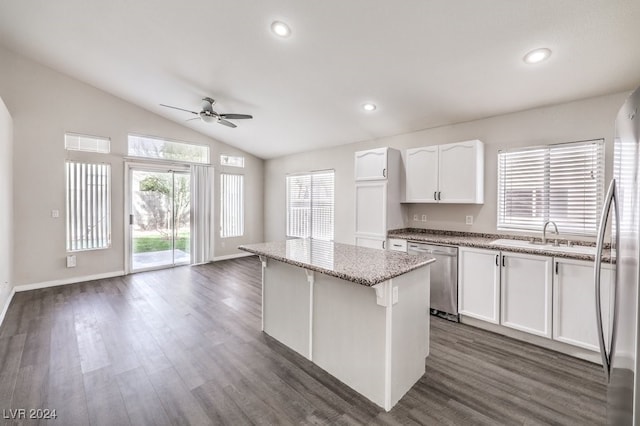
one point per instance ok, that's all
(397, 244)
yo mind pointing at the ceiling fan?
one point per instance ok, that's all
(208, 115)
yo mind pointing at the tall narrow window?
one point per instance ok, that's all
(563, 183)
(88, 206)
(231, 205)
(310, 205)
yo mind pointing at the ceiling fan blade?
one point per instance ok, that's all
(181, 109)
(226, 123)
(235, 116)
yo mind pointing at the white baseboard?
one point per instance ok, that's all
(6, 305)
(232, 256)
(54, 283)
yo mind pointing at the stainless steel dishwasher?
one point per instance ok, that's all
(444, 278)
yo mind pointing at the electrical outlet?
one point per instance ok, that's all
(71, 261)
(469, 220)
(415, 217)
(55, 213)
(424, 217)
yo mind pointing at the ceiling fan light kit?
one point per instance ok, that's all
(208, 115)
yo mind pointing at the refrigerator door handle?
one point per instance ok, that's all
(610, 199)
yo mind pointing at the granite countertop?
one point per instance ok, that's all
(485, 241)
(360, 265)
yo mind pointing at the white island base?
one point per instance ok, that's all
(373, 339)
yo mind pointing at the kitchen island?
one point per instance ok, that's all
(360, 314)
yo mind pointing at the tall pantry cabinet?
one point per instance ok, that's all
(377, 184)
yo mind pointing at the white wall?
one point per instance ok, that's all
(6, 205)
(45, 104)
(586, 119)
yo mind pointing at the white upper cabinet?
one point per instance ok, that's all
(450, 173)
(377, 195)
(422, 174)
(371, 164)
(461, 172)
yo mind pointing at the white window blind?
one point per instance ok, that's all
(231, 205)
(563, 183)
(310, 205)
(88, 206)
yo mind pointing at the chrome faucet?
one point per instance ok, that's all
(544, 232)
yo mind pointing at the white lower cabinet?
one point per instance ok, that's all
(541, 295)
(574, 303)
(479, 284)
(526, 293)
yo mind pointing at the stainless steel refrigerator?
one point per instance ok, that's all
(618, 334)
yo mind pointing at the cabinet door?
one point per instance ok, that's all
(371, 164)
(526, 293)
(461, 172)
(371, 209)
(479, 284)
(422, 174)
(574, 303)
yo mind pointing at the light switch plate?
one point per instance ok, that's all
(415, 217)
(55, 213)
(469, 220)
(71, 261)
(424, 217)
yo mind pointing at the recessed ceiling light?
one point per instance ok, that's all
(280, 29)
(369, 107)
(537, 55)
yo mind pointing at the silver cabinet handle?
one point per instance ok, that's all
(435, 195)
(611, 198)
(384, 172)
(383, 244)
(497, 260)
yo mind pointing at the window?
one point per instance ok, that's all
(310, 206)
(231, 205)
(563, 183)
(76, 142)
(232, 160)
(160, 149)
(88, 206)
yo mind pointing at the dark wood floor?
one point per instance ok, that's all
(183, 346)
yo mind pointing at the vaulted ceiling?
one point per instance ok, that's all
(424, 63)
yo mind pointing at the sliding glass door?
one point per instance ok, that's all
(160, 219)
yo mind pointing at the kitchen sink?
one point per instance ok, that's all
(547, 247)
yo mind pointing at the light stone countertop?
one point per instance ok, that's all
(360, 265)
(485, 241)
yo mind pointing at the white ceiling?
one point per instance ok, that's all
(423, 62)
